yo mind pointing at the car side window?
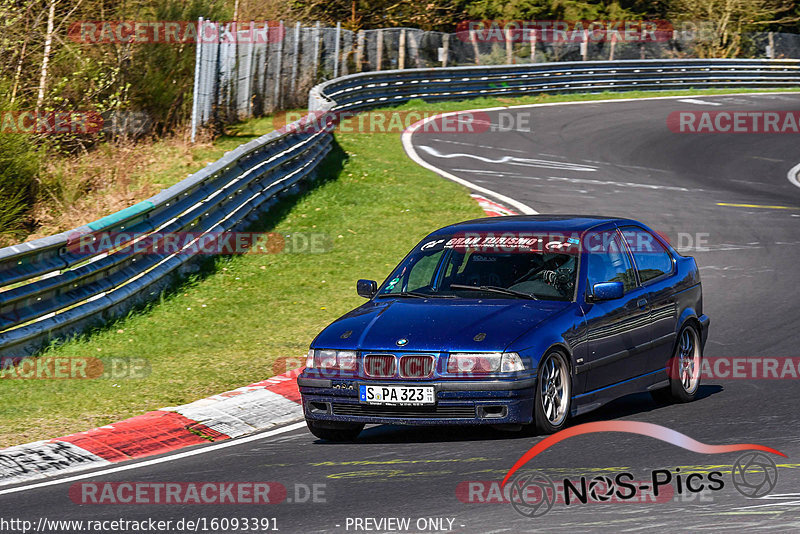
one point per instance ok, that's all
(417, 275)
(651, 258)
(611, 263)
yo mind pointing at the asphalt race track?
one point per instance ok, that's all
(612, 158)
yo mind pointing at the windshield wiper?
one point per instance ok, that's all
(418, 295)
(495, 289)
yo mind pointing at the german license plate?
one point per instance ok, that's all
(398, 395)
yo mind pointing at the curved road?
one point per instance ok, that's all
(614, 158)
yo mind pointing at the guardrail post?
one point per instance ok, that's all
(445, 49)
(533, 46)
(336, 50)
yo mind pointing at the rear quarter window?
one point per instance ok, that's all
(652, 259)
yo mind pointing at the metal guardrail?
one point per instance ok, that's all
(389, 87)
(47, 290)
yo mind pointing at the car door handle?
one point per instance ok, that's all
(642, 302)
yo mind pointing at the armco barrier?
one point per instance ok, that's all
(388, 87)
(47, 292)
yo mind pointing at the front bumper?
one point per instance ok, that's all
(458, 402)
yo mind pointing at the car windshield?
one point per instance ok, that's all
(482, 266)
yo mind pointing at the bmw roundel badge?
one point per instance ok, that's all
(402, 341)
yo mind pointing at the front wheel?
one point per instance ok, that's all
(553, 394)
(683, 369)
(338, 432)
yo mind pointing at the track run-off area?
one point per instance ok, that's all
(732, 200)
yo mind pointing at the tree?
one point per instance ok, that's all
(369, 14)
(719, 27)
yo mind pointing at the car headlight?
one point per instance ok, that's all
(343, 360)
(484, 363)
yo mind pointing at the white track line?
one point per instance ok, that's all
(700, 102)
(209, 448)
(412, 153)
(794, 175)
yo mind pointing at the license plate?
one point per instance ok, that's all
(398, 395)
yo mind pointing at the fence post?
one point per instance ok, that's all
(295, 56)
(509, 46)
(613, 46)
(316, 51)
(347, 49)
(771, 45)
(401, 57)
(533, 46)
(445, 48)
(585, 45)
(474, 39)
(251, 70)
(198, 56)
(380, 50)
(278, 68)
(413, 48)
(336, 50)
(359, 50)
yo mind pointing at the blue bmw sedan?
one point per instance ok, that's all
(511, 321)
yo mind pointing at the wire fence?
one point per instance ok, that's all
(259, 70)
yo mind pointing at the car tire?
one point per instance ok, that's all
(339, 432)
(683, 369)
(553, 396)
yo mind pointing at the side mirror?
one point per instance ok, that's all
(607, 291)
(366, 288)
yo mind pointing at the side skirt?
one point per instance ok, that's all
(586, 402)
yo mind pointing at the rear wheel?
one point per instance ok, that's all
(335, 431)
(683, 369)
(553, 394)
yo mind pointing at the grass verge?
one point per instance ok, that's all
(227, 325)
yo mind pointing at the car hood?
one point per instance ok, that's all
(436, 325)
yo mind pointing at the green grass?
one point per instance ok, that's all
(229, 324)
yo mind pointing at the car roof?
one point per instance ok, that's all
(533, 223)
